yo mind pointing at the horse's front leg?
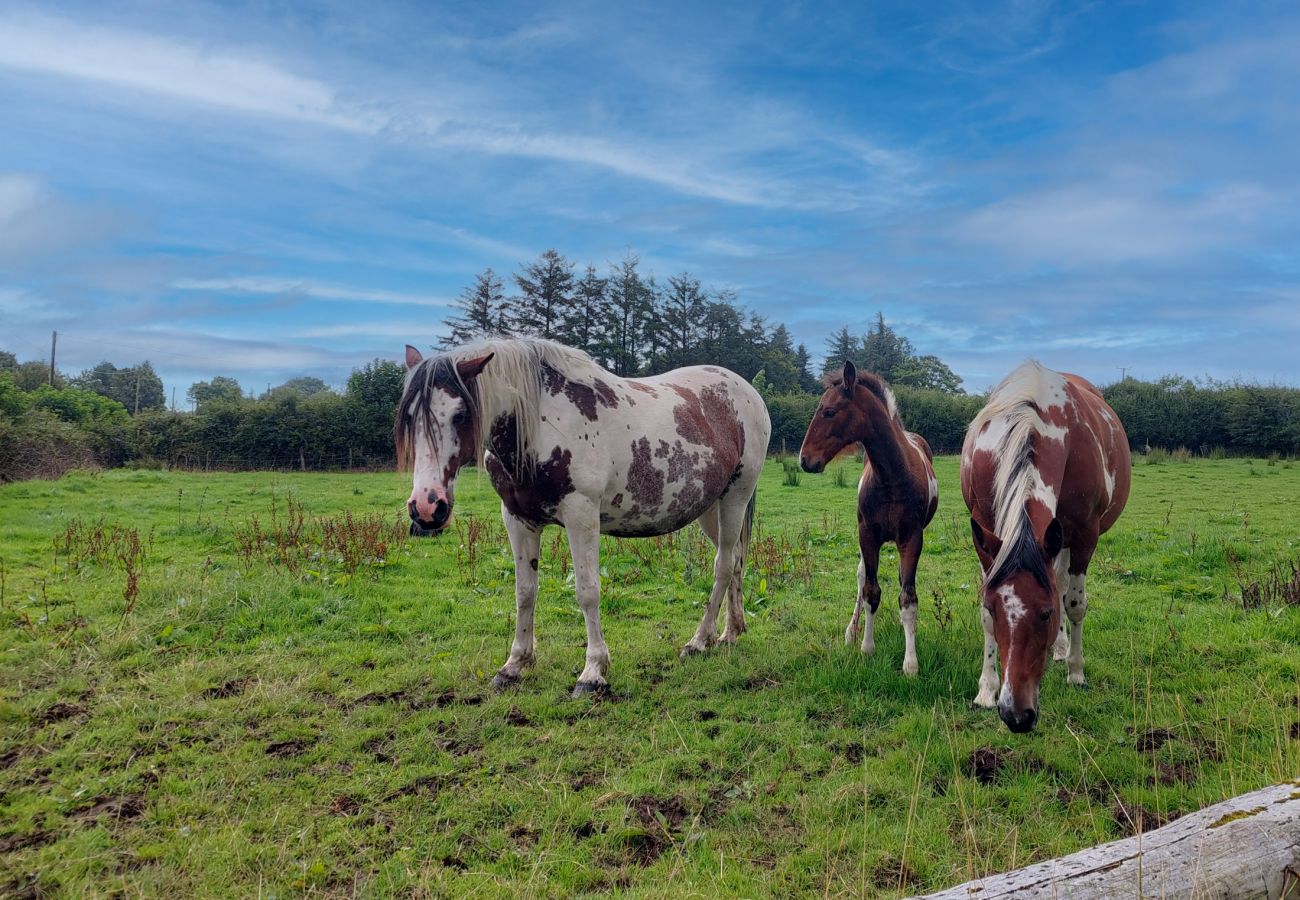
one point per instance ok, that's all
(1061, 648)
(525, 541)
(909, 556)
(582, 522)
(730, 523)
(988, 691)
(868, 589)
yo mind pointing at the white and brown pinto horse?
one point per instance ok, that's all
(1045, 471)
(897, 493)
(567, 443)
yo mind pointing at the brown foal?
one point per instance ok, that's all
(897, 494)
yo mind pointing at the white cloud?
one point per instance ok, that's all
(317, 290)
(184, 71)
(404, 330)
(1110, 222)
(36, 225)
(499, 122)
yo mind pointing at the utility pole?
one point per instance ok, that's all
(54, 343)
(1123, 372)
(173, 398)
(137, 392)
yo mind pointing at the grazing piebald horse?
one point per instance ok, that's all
(567, 443)
(897, 493)
(1044, 470)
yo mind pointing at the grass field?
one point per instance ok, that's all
(269, 712)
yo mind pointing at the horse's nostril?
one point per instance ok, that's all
(441, 512)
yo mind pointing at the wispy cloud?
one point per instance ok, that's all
(169, 67)
(316, 290)
(239, 80)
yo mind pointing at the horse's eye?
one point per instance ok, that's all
(1045, 615)
(829, 413)
(460, 418)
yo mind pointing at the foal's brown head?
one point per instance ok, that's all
(841, 418)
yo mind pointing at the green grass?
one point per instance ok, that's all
(246, 729)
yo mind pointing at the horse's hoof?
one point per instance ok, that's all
(1081, 684)
(583, 688)
(503, 681)
(692, 650)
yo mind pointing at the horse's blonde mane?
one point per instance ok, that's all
(1017, 400)
(510, 384)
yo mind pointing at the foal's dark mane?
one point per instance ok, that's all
(873, 383)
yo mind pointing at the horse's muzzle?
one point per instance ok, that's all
(423, 528)
(809, 466)
(1019, 721)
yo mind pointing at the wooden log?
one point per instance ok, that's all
(1248, 846)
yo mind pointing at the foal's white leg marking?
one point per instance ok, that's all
(583, 526)
(908, 615)
(1061, 649)
(525, 542)
(730, 522)
(987, 696)
(855, 621)
(1076, 607)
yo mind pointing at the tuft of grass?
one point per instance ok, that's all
(792, 473)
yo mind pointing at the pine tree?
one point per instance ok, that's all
(885, 351)
(583, 323)
(683, 306)
(482, 311)
(841, 346)
(803, 368)
(631, 302)
(779, 361)
(546, 288)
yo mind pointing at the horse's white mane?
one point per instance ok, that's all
(511, 383)
(1016, 401)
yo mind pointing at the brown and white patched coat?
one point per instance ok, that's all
(567, 443)
(1045, 470)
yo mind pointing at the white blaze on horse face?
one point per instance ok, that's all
(1013, 609)
(430, 461)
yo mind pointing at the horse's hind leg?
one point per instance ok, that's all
(525, 542)
(735, 626)
(731, 517)
(730, 630)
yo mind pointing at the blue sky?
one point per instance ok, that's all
(270, 190)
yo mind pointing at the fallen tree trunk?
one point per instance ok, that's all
(1248, 846)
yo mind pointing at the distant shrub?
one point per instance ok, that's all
(38, 444)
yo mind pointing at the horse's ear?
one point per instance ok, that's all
(986, 545)
(850, 375)
(1053, 539)
(470, 368)
(413, 357)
